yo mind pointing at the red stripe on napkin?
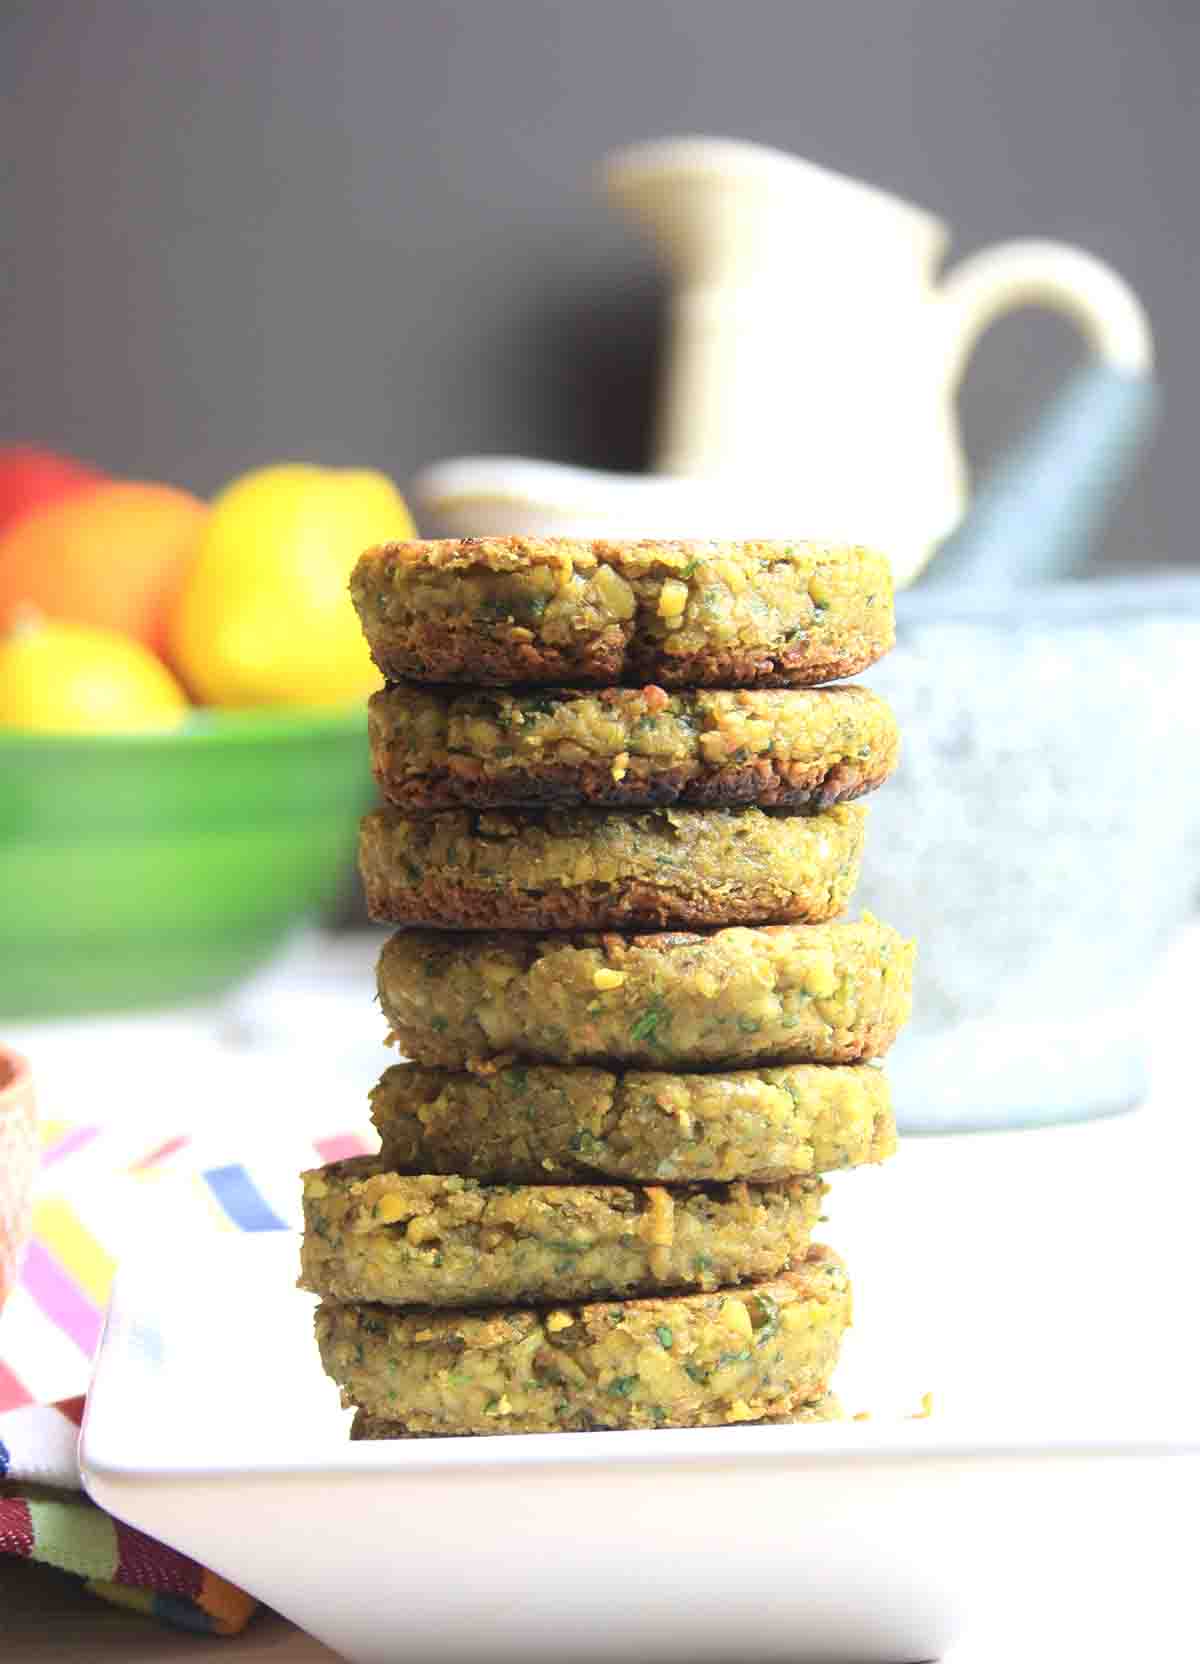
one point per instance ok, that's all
(12, 1393)
(144, 1564)
(16, 1527)
(160, 1154)
(337, 1149)
(72, 1408)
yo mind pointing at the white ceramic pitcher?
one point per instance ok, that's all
(812, 363)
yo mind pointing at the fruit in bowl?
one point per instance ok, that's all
(113, 557)
(153, 850)
(264, 614)
(69, 678)
(31, 477)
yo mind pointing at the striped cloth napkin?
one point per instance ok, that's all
(105, 1193)
(44, 1516)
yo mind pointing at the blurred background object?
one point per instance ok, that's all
(263, 615)
(366, 235)
(113, 556)
(148, 868)
(31, 477)
(151, 850)
(1041, 839)
(60, 677)
(813, 345)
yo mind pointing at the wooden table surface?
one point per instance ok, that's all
(49, 1617)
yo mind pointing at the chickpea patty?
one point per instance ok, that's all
(533, 1123)
(499, 610)
(448, 1241)
(441, 748)
(824, 993)
(602, 869)
(698, 1360)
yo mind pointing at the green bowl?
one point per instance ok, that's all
(146, 869)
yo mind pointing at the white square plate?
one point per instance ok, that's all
(1053, 1485)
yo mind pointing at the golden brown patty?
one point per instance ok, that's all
(446, 1241)
(822, 993)
(698, 1360)
(530, 1123)
(365, 1426)
(442, 748)
(500, 610)
(604, 869)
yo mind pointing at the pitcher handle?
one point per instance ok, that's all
(1007, 276)
(1037, 516)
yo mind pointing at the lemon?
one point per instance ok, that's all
(72, 679)
(264, 615)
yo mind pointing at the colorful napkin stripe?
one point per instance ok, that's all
(102, 1189)
(60, 1528)
(104, 1192)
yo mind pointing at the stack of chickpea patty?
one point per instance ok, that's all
(640, 1033)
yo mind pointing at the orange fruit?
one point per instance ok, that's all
(114, 557)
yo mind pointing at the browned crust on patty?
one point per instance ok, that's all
(441, 904)
(367, 1428)
(609, 659)
(764, 782)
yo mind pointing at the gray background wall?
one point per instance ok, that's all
(243, 229)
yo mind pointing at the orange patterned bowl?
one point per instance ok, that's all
(18, 1161)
